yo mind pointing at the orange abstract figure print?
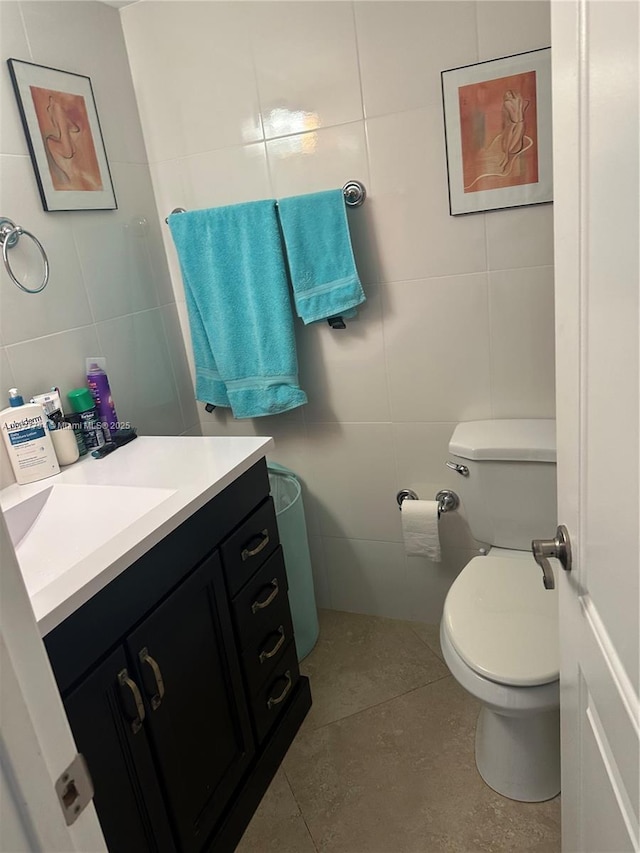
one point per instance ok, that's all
(68, 142)
(498, 124)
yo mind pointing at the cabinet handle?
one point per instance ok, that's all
(274, 651)
(157, 697)
(125, 681)
(278, 699)
(260, 605)
(247, 552)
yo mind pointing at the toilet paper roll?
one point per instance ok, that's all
(420, 529)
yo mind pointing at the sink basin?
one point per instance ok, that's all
(61, 525)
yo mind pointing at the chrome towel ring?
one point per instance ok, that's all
(10, 233)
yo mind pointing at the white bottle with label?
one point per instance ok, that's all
(27, 439)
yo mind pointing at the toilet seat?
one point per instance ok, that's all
(501, 620)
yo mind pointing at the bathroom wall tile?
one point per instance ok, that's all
(421, 452)
(121, 251)
(507, 28)
(58, 360)
(185, 331)
(226, 176)
(221, 422)
(140, 373)
(414, 233)
(403, 47)
(343, 372)
(437, 346)
(306, 64)
(170, 192)
(181, 373)
(63, 303)
(193, 76)
(353, 480)
(196, 430)
(326, 159)
(520, 237)
(13, 44)
(522, 343)
(367, 577)
(319, 568)
(6, 381)
(136, 196)
(86, 38)
(318, 160)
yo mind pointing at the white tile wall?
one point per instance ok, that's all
(299, 97)
(110, 292)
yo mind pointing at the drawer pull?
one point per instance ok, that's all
(125, 681)
(260, 605)
(278, 699)
(274, 651)
(247, 552)
(157, 697)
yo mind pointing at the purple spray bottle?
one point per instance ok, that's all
(99, 385)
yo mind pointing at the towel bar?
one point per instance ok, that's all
(354, 195)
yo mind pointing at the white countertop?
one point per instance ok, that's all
(173, 475)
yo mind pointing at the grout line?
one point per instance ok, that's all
(384, 701)
(431, 649)
(293, 794)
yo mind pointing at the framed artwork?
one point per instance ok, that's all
(497, 119)
(63, 133)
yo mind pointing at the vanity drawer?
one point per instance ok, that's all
(272, 698)
(258, 607)
(266, 651)
(246, 549)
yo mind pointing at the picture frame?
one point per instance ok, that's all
(497, 120)
(64, 137)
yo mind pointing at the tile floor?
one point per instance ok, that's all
(384, 761)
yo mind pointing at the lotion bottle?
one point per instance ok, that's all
(27, 439)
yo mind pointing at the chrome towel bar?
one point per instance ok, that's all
(354, 195)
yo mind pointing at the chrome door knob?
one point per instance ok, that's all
(560, 548)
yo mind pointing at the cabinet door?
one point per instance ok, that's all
(105, 721)
(197, 717)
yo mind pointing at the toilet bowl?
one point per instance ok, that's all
(499, 629)
(499, 637)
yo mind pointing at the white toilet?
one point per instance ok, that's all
(499, 629)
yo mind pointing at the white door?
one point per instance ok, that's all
(36, 745)
(596, 115)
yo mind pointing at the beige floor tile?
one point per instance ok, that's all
(289, 835)
(401, 778)
(277, 825)
(430, 634)
(360, 661)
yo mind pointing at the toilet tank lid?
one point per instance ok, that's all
(522, 440)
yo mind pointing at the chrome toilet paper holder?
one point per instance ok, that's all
(448, 500)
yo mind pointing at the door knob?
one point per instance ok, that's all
(560, 548)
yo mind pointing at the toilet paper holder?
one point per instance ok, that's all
(447, 499)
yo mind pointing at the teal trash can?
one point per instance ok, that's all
(292, 529)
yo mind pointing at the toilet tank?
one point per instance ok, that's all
(509, 495)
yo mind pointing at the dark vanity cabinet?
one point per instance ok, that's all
(181, 681)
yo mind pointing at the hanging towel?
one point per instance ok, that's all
(323, 270)
(239, 308)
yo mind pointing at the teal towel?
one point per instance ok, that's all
(239, 308)
(323, 270)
